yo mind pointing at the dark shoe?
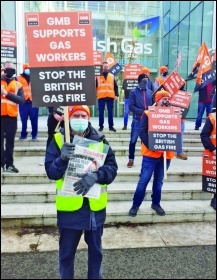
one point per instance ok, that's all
(34, 137)
(158, 210)
(213, 203)
(196, 128)
(11, 169)
(130, 164)
(112, 129)
(133, 211)
(100, 129)
(22, 138)
(124, 128)
(182, 156)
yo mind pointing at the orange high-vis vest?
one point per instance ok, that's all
(212, 117)
(160, 80)
(155, 154)
(26, 88)
(105, 86)
(9, 108)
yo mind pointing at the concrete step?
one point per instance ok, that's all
(124, 142)
(119, 151)
(117, 191)
(44, 214)
(32, 173)
(189, 134)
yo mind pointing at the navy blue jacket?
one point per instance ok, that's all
(84, 218)
(136, 101)
(205, 135)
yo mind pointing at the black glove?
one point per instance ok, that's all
(67, 151)
(87, 181)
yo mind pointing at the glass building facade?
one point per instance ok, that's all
(149, 32)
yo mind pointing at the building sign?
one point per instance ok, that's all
(164, 128)
(60, 52)
(8, 44)
(97, 59)
(208, 172)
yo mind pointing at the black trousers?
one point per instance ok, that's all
(51, 125)
(8, 133)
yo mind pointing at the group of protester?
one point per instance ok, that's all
(79, 213)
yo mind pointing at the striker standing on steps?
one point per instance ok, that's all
(26, 110)
(152, 162)
(77, 214)
(107, 92)
(139, 100)
(11, 96)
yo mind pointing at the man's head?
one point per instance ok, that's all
(105, 67)
(8, 69)
(163, 70)
(26, 69)
(162, 98)
(142, 81)
(146, 71)
(78, 118)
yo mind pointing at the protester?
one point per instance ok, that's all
(107, 92)
(150, 84)
(55, 122)
(208, 137)
(204, 103)
(78, 214)
(26, 110)
(152, 163)
(11, 96)
(160, 79)
(139, 100)
(126, 105)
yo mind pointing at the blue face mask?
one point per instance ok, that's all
(142, 84)
(79, 125)
(27, 71)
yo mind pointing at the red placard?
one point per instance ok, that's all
(59, 39)
(8, 38)
(173, 83)
(132, 71)
(97, 57)
(181, 99)
(208, 172)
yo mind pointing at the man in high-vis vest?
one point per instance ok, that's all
(107, 92)
(208, 138)
(27, 110)
(152, 163)
(160, 79)
(78, 214)
(11, 96)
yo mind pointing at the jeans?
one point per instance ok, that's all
(68, 243)
(27, 111)
(126, 111)
(201, 108)
(133, 138)
(179, 148)
(101, 105)
(150, 165)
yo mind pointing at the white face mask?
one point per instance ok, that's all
(79, 125)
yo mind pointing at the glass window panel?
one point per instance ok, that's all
(207, 23)
(8, 12)
(184, 8)
(174, 14)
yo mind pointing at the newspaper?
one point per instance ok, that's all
(84, 160)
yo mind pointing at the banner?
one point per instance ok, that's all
(60, 52)
(203, 69)
(114, 67)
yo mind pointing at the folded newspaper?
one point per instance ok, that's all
(84, 160)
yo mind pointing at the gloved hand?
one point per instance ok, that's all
(87, 181)
(67, 151)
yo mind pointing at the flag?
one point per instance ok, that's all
(178, 61)
(113, 65)
(203, 69)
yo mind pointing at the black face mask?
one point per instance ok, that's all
(165, 103)
(9, 72)
(165, 74)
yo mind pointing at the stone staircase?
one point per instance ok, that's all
(28, 197)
